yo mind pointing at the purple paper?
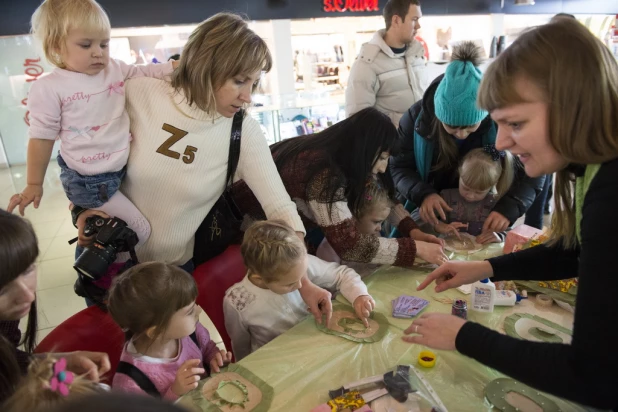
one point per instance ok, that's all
(408, 306)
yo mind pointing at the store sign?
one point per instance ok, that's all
(331, 6)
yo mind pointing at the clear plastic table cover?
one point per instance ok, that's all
(303, 364)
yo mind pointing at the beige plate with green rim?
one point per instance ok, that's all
(509, 395)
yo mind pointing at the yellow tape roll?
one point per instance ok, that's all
(427, 359)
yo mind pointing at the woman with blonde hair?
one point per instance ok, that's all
(181, 138)
(559, 114)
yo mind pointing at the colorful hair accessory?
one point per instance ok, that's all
(61, 378)
(493, 152)
(368, 197)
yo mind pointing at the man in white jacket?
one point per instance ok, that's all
(387, 73)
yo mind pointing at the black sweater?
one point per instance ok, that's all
(587, 370)
(408, 180)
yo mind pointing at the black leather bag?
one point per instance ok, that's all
(221, 227)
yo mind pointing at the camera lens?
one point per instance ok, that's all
(94, 261)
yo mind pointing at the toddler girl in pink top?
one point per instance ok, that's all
(82, 103)
(168, 351)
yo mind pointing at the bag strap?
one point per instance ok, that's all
(234, 155)
(193, 337)
(139, 377)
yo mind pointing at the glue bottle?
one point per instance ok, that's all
(506, 298)
(483, 296)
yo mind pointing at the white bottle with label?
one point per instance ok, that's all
(505, 298)
(483, 296)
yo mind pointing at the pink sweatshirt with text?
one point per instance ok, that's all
(87, 114)
(162, 372)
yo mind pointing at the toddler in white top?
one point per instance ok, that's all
(267, 302)
(82, 103)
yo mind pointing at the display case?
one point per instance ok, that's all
(286, 116)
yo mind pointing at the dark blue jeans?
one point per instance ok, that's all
(188, 267)
(534, 215)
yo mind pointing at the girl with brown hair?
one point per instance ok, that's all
(154, 303)
(18, 279)
(559, 114)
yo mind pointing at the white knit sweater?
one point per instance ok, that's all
(177, 167)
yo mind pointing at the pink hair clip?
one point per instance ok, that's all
(61, 378)
(368, 197)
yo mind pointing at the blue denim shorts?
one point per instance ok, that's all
(89, 191)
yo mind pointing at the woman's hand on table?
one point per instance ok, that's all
(496, 222)
(432, 204)
(221, 359)
(317, 300)
(363, 306)
(92, 364)
(434, 330)
(83, 240)
(419, 235)
(488, 237)
(187, 377)
(454, 274)
(431, 252)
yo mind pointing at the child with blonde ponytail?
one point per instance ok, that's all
(485, 175)
(267, 302)
(47, 384)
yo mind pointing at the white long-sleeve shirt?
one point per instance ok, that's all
(255, 316)
(177, 167)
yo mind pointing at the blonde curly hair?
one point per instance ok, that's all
(53, 19)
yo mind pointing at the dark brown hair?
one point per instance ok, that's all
(18, 251)
(117, 402)
(397, 8)
(148, 295)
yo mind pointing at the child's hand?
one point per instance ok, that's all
(488, 237)
(187, 377)
(32, 193)
(221, 359)
(363, 306)
(451, 228)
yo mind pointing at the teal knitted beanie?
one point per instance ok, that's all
(455, 98)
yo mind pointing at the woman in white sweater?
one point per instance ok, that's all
(181, 134)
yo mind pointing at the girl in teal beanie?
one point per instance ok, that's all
(438, 131)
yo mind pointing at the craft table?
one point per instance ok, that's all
(303, 364)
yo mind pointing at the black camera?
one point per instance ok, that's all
(113, 236)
